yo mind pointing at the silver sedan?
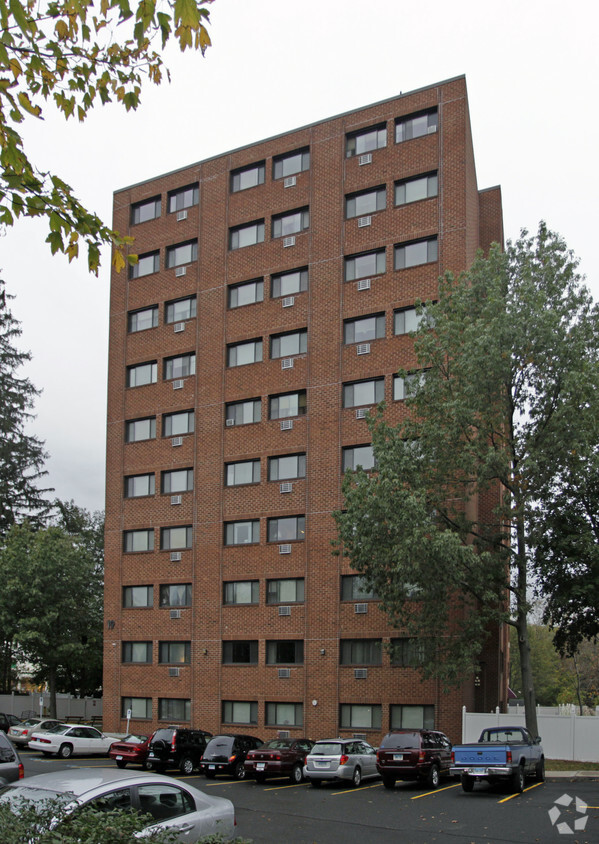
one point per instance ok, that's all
(340, 759)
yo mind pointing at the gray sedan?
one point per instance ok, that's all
(175, 806)
(340, 759)
(11, 767)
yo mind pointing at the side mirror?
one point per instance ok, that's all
(538, 740)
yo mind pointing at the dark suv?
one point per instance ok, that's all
(225, 754)
(423, 755)
(175, 747)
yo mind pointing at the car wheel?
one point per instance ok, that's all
(260, 778)
(186, 765)
(518, 780)
(296, 774)
(389, 782)
(210, 775)
(467, 783)
(540, 770)
(120, 763)
(356, 777)
(146, 766)
(240, 771)
(66, 751)
(433, 777)
(315, 783)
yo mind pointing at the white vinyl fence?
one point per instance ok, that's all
(563, 736)
(68, 707)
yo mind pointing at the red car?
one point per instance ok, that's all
(132, 749)
(278, 758)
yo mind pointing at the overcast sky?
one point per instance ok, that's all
(531, 69)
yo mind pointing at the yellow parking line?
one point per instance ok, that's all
(517, 794)
(436, 791)
(353, 790)
(295, 785)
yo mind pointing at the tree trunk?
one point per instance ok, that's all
(528, 686)
(52, 690)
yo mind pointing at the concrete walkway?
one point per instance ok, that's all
(571, 776)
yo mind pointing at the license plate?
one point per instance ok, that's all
(118, 757)
(151, 756)
(398, 757)
(260, 766)
(478, 771)
(321, 764)
(211, 767)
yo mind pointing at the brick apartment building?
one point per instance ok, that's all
(270, 308)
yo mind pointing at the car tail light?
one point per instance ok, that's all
(24, 733)
(421, 756)
(21, 771)
(233, 757)
(452, 758)
(44, 741)
(508, 757)
(343, 759)
(277, 757)
(174, 742)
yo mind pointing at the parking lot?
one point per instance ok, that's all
(299, 814)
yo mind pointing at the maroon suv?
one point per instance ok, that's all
(423, 755)
(279, 757)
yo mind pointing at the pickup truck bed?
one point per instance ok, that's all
(503, 754)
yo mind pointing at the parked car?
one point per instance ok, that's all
(277, 758)
(423, 755)
(175, 747)
(188, 812)
(11, 767)
(226, 754)
(502, 754)
(66, 740)
(21, 733)
(131, 749)
(340, 759)
(7, 721)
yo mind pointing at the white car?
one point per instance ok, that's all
(67, 740)
(21, 733)
(175, 806)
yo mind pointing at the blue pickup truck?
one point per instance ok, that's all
(502, 754)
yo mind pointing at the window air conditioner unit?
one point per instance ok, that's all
(179, 326)
(286, 487)
(288, 301)
(361, 412)
(290, 182)
(175, 556)
(283, 734)
(360, 608)
(363, 348)
(284, 549)
(284, 673)
(287, 363)
(360, 673)
(284, 610)
(176, 441)
(181, 215)
(178, 384)
(229, 423)
(289, 241)
(365, 159)
(286, 424)
(364, 221)
(179, 271)
(176, 499)
(175, 613)
(174, 672)
(364, 284)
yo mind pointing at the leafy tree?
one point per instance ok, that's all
(506, 388)
(77, 54)
(551, 678)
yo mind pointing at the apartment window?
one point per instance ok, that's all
(241, 354)
(287, 467)
(242, 472)
(415, 126)
(411, 190)
(407, 320)
(137, 486)
(354, 588)
(138, 540)
(358, 455)
(288, 284)
(246, 235)
(240, 712)
(247, 293)
(182, 198)
(149, 209)
(291, 222)
(180, 366)
(243, 412)
(289, 344)
(176, 424)
(356, 716)
(143, 319)
(365, 202)
(176, 653)
(287, 529)
(366, 140)
(285, 714)
(174, 709)
(407, 652)
(241, 592)
(181, 253)
(285, 591)
(138, 596)
(176, 537)
(285, 652)
(407, 387)
(140, 707)
(180, 309)
(411, 717)
(416, 253)
(141, 374)
(360, 652)
(248, 177)
(288, 405)
(147, 264)
(140, 429)
(240, 653)
(137, 652)
(177, 480)
(360, 393)
(243, 532)
(291, 163)
(175, 594)
(365, 265)
(364, 329)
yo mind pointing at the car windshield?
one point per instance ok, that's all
(409, 741)
(15, 794)
(134, 739)
(221, 744)
(277, 744)
(329, 748)
(30, 722)
(59, 728)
